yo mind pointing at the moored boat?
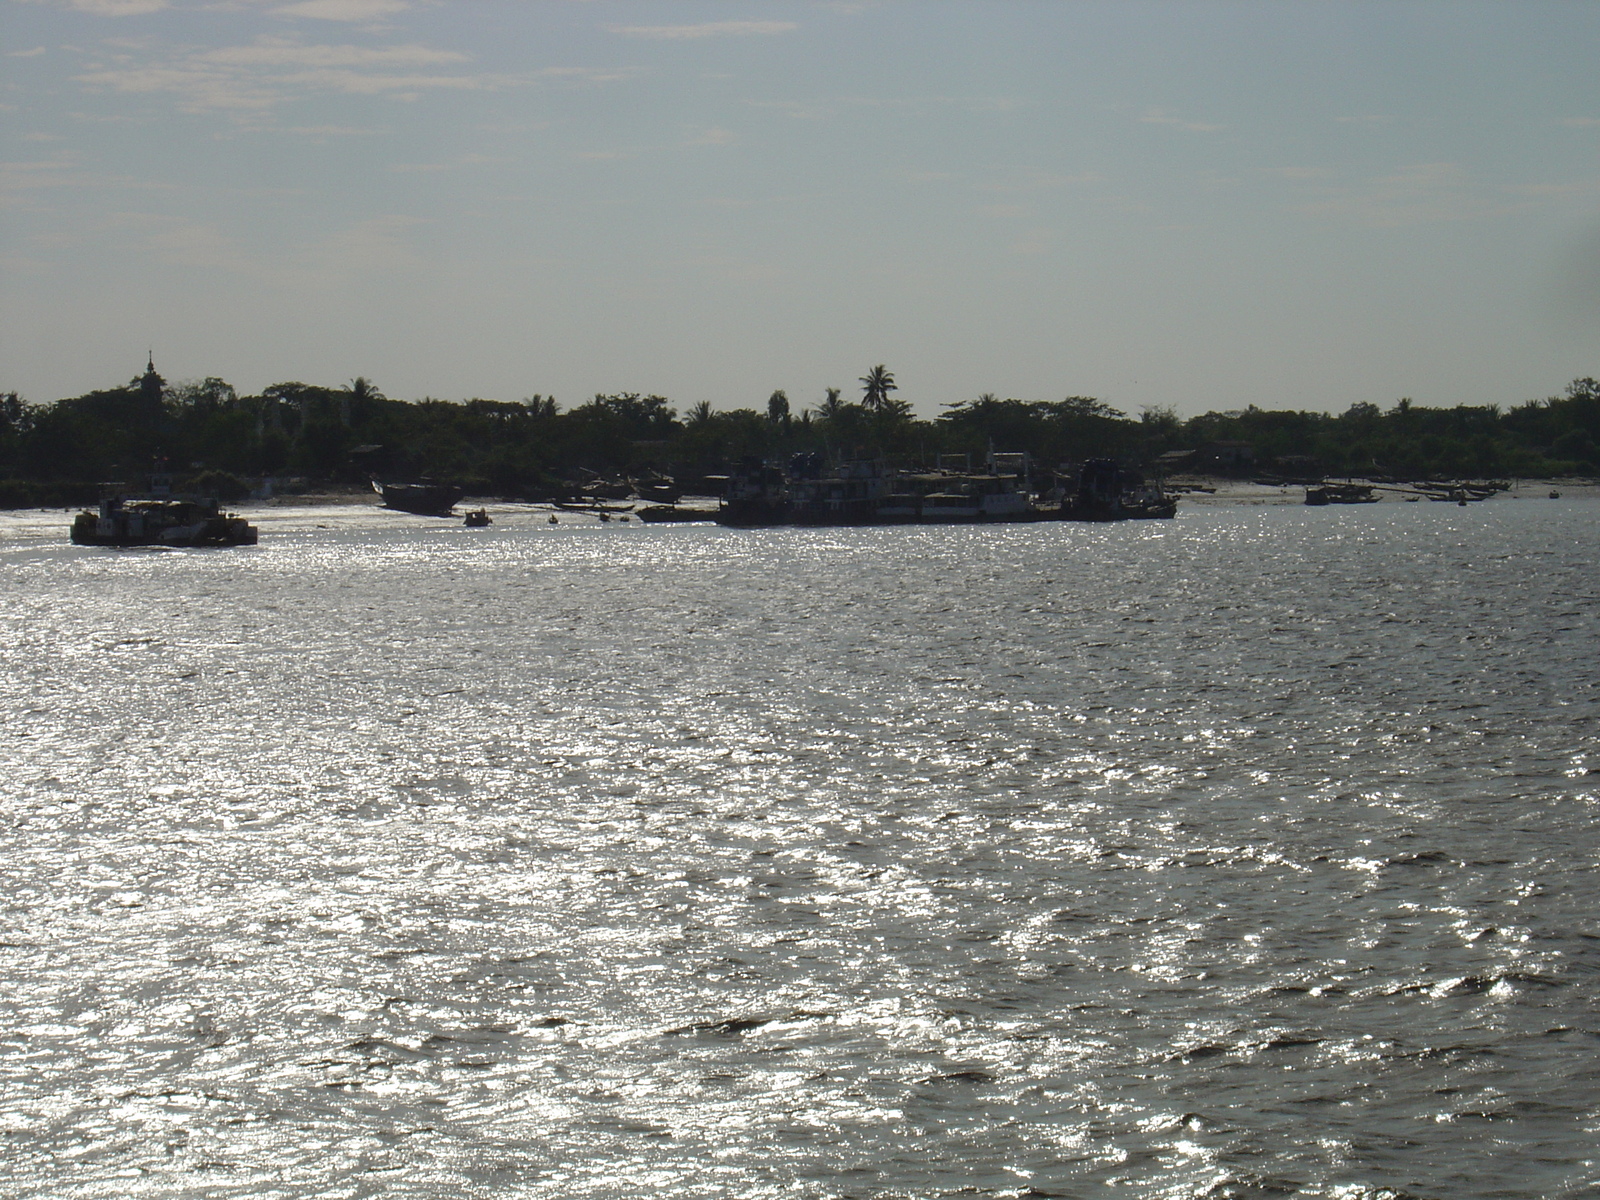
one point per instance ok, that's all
(1340, 493)
(426, 499)
(161, 521)
(1107, 491)
(657, 514)
(658, 491)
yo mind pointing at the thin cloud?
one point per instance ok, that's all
(1297, 172)
(34, 53)
(1424, 193)
(822, 109)
(328, 131)
(112, 8)
(1159, 116)
(706, 29)
(281, 52)
(1029, 182)
(271, 70)
(715, 137)
(27, 176)
(379, 245)
(343, 10)
(466, 160)
(1037, 242)
(1580, 187)
(1574, 122)
(19, 179)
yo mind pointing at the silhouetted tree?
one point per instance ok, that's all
(876, 385)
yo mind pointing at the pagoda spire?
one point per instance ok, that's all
(151, 385)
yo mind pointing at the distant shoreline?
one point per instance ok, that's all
(1191, 489)
(1241, 491)
(1202, 490)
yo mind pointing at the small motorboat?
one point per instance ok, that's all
(477, 519)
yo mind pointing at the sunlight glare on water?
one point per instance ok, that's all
(1247, 854)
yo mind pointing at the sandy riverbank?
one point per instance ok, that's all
(1212, 490)
(1191, 490)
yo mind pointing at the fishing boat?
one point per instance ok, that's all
(659, 491)
(1340, 493)
(1460, 492)
(658, 514)
(1107, 491)
(593, 506)
(426, 499)
(161, 521)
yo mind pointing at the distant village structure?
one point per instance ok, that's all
(1214, 458)
(297, 434)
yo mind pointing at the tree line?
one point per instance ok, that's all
(205, 434)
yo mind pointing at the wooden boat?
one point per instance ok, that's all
(426, 499)
(658, 491)
(1109, 492)
(477, 518)
(1341, 493)
(592, 507)
(661, 513)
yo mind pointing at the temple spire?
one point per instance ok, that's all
(151, 385)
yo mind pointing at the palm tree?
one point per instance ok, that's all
(876, 385)
(830, 407)
(361, 389)
(355, 398)
(699, 414)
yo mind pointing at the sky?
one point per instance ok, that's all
(1186, 203)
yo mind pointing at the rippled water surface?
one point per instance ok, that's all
(1247, 854)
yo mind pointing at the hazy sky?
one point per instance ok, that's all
(1199, 204)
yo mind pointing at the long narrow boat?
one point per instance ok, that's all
(424, 499)
(1340, 493)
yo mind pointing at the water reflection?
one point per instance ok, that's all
(1224, 859)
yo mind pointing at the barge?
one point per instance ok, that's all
(865, 493)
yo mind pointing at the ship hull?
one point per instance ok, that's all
(423, 499)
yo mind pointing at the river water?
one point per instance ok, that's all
(1247, 854)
